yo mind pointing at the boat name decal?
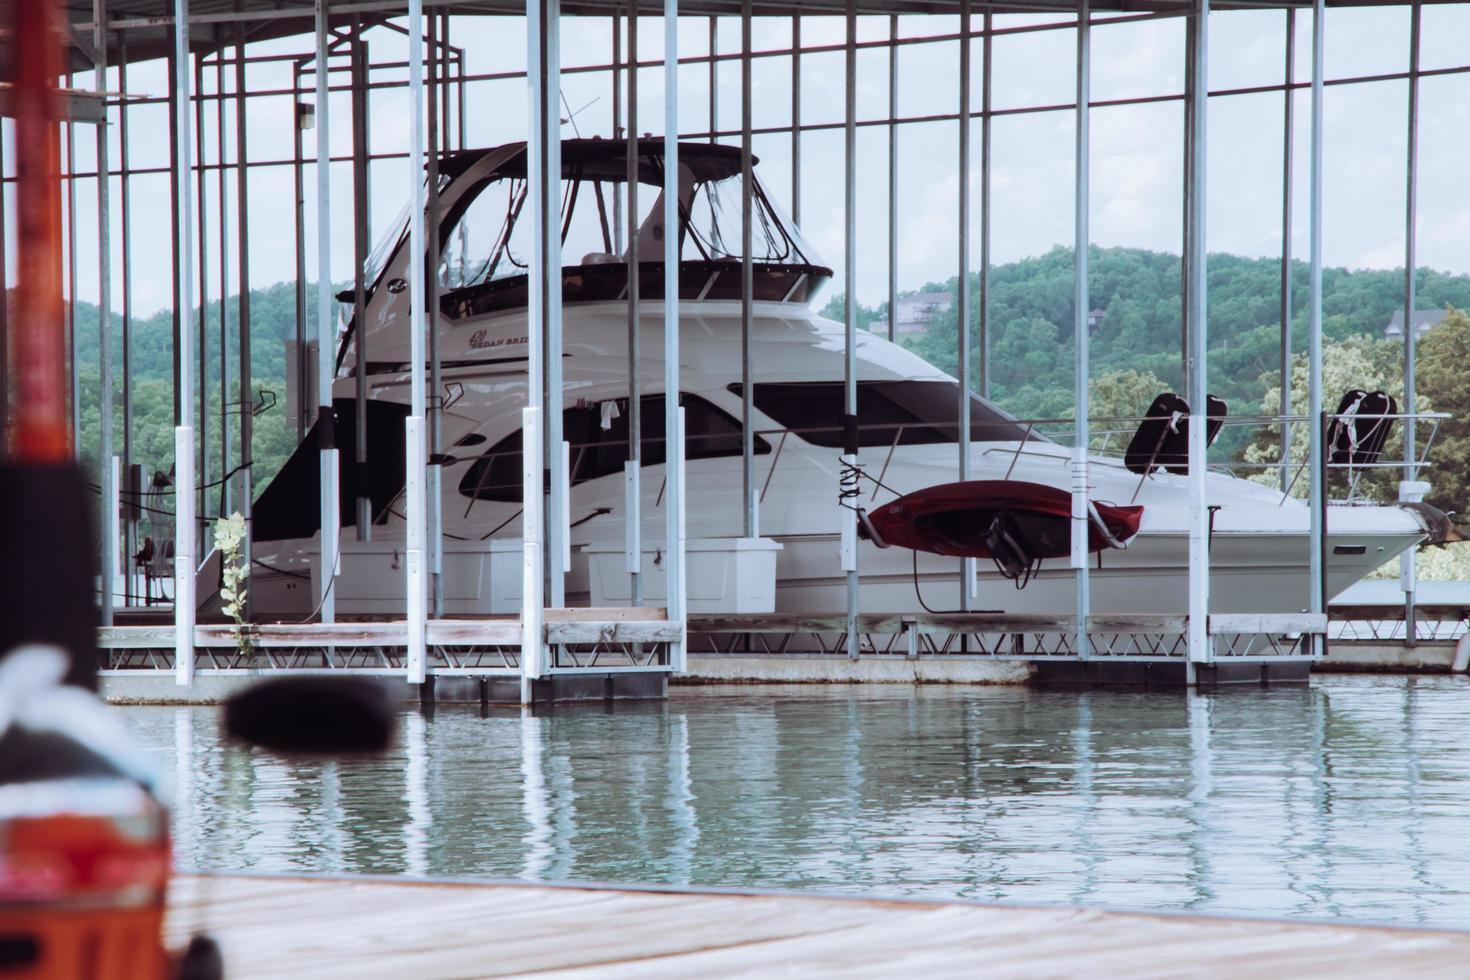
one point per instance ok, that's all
(479, 340)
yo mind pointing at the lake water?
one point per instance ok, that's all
(1349, 799)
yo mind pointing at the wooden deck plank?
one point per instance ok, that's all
(331, 927)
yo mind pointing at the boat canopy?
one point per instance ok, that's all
(487, 235)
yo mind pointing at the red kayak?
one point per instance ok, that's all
(977, 518)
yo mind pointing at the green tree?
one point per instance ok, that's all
(1443, 373)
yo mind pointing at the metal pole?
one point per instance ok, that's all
(893, 177)
(1410, 489)
(360, 199)
(750, 521)
(985, 210)
(107, 466)
(415, 458)
(72, 343)
(303, 357)
(796, 119)
(673, 417)
(714, 78)
(633, 469)
(1288, 128)
(127, 298)
(618, 130)
(431, 306)
(184, 541)
(536, 558)
(558, 557)
(242, 245)
(1314, 330)
(962, 292)
(1197, 328)
(1185, 276)
(202, 227)
(225, 497)
(849, 334)
(326, 329)
(1081, 341)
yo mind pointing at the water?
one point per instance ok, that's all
(1345, 800)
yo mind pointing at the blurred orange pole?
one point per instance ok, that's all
(39, 348)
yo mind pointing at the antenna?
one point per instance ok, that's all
(571, 117)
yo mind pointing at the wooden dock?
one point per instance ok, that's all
(375, 927)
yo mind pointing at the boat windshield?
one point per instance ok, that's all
(905, 413)
(493, 238)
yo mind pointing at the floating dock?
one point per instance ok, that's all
(356, 927)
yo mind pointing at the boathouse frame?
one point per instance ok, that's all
(200, 37)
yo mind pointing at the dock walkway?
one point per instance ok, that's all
(371, 927)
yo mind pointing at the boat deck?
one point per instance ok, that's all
(364, 927)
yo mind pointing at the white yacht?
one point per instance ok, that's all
(907, 413)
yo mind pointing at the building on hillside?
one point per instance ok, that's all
(916, 312)
(1424, 321)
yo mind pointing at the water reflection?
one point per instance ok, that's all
(1344, 800)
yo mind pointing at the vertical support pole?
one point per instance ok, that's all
(184, 530)
(1314, 331)
(107, 463)
(962, 292)
(201, 225)
(1197, 331)
(226, 498)
(303, 358)
(714, 78)
(893, 177)
(673, 416)
(326, 358)
(849, 332)
(1081, 340)
(360, 198)
(73, 344)
(5, 442)
(633, 469)
(543, 176)
(548, 252)
(984, 299)
(431, 306)
(1185, 277)
(1288, 128)
(749, 519)
(125, 213)
(618, 130)
(242, 246)
(1410, 489)
(415, 463)
(796, 119)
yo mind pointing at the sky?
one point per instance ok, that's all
(1136, 155)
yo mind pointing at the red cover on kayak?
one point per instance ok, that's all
(952, 518)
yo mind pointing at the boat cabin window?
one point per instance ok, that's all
(915, 412)
(598, 433)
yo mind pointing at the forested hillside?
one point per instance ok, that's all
(1135, 352)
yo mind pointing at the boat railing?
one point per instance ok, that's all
(1107, 439)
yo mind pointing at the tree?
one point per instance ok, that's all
(1443, 375)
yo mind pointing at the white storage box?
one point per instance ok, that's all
(480, 577)
(725, 575)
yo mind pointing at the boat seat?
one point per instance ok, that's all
(601, 258)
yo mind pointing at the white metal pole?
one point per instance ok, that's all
(416, 461)
(109, 468)
(1314, 331)
(184, 534)
(1199, 514)
(673, 430)
(1410, 489)
(533, 582)
(968, 571)
(326, 328)
(1081, 301)
(850, 437)
(558, 516)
